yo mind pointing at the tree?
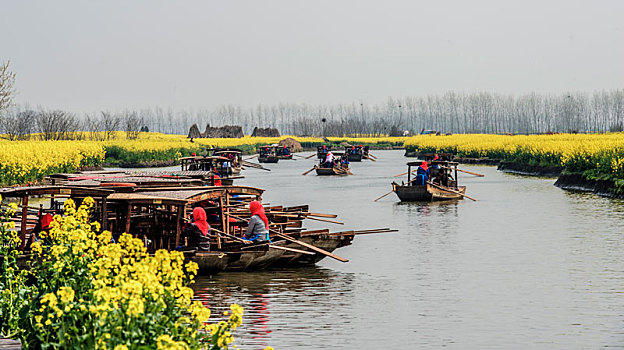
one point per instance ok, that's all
(7, 79)
(133, 124)
(17, 125)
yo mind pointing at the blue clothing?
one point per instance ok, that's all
(422, 176)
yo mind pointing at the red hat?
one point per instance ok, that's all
(424, 165)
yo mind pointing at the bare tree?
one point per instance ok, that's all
(132, 124)
(56, 125)
(17, 125)
(7, 80)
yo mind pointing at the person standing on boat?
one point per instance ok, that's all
(286, 151)
(258, 228)
(198, 231)
(422, 174)
(329, 160)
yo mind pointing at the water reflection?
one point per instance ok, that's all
(271, 297)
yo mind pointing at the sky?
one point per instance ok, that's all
(88, 56)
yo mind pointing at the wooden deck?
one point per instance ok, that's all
(10, 344)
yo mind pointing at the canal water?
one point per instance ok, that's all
(527, 266)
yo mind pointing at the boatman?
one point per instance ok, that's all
(422, 174)
(286, 151)
(258, 228)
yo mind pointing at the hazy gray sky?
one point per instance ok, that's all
(91, 55)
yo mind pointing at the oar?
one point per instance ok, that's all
(304, 244)
(383, 195)
(401, 174)
(252, 157)
(367, 157)
(372, 156)
(296, 155)
(256, 166)
(325, 220)
(310, 156)
(450, 190)
(471, 173)
(307, 172)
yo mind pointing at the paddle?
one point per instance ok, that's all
(307, 172)
(310, 156)
(450, 190)
(383, 195)
(401, 174)
(471, 173)
(304, 244)
(367, 157)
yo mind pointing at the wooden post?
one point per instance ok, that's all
(223, 219)
(179, 225)
(24, 220)
(104, 215)
(129, 213)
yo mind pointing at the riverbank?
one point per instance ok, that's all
(10, 344)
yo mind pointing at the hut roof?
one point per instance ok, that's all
(42, 190)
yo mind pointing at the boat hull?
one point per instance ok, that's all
(210, 263)
(355, 157)
(330, 171)
(326, 242)
(426, 193)
(271, 159)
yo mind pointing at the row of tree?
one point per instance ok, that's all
(449, 113)
(19, 123)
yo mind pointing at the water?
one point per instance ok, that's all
(527, 266)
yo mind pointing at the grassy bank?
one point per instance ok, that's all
(595, 156)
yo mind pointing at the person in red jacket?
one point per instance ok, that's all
(198, 231)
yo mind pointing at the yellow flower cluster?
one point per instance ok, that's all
(118, 287)
(23, 161)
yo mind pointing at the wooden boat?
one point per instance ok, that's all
(157, 215)
(224, 166)
(441, 186)
(321, 152)
(234, 155)
(336, 170)
(283, 153)
(266, 154)
(354, 153)
(340, 166)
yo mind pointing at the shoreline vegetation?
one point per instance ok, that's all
(582, 162)
(584, 159)
(29, 161)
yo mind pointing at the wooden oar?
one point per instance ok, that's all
(367, 157)
(310, 156)
(401, 174)
(304, 244)
(372, 156)
(322, 215)
(296, 155)
(471, 173)
(450, 190)
(252, 157)
(307, 172)
(256, 166)
(383, 195)
(325, 220)
(291, 249)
